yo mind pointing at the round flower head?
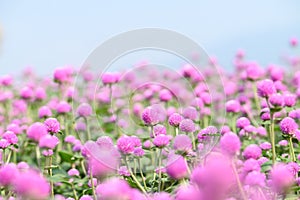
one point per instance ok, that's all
(230, 143)
(288, 126)
(14, 128)
(8, 173)
(110, 78)
(242, 122)
(165, 95)
(125, 144)
(36, 131)
(4, 143)
(252, 151)
(290, 100)
(48, 141)
(40, 94)
(63, 107)
(281, 178)
(150, 116)
(139, 151)
(265, 146)
(61, 75)
(233, 106)
(6, 80)
(187, 125)
(31, 185)
(175, 119)
(105, 142)
(26, 93)
(176, 167)
(294, 42)
(84, 110)
(158, 130)
(86, 197)
(190, 113)
(265, 88)
(161, 140)
(255, 178)
(276, 100)
(52, 125)
(189, 192)
(251, 165)
(182, 143)
(73, 172)
(123, 171)
(44, 112)
(10, 137)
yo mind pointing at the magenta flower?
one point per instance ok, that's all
(123, 171)
(176, 167)
(44, 112)
(10, 137)
(230, 143)
(115, 188)
(63, 107)
(150, 116)
(175, 119)
(242, 122)
(281, 178)
(8, 173)
(233, 106)
(159, 130)
(52, 125)
(110, 78)
(190, 113)
(84, 110)
(182, 143)
(265, 88)
(73, 172)
(187, 125)
(36, 131)
(288, 126)
(48, 141)
(161, 140)
(252, 151)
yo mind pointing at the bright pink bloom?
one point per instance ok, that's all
(265, 88)
(48, 141)
(36, 131)
(187, 125)
(175, 119)
(182, 143)
(84, 110)
(44, 112)
(52, 125)
(230, 143)
(288, 126)
(176, 167)
(161, 140)
(252, 151)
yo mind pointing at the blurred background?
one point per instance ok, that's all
(46, 35)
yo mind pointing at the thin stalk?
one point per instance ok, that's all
(193, 141)
(50, 174)
(257, 103)
(38, 155)
(159, 166)
(74, 191)
(93, 186)
(238, 181)
(9, 156)
(87, 129)
(272, 133)
(134, 178)
(141, 172)
(292, 152)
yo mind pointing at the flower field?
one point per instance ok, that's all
(196, 133)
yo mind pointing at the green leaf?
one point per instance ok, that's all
(66, 156)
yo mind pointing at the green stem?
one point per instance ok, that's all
(74, 191)
(272, 133)
(87, 128)
(50, 174)
(141, 171)
(93, 186)
(292, 152)
(38, 155)
(193, 141)
(257, 103)
(159, 166)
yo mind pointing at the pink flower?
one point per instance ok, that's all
(176, 166)
(189, 192)
(48, 141)
(44, 112)
(288, 126)
(123, 171)
(10, 137)
(265, 146)
(31, 185)
(158, 130)
(150, 116)
(242, 122)
(276, 100)
(105, 142)
(290, 99)
(115, 188)
(230, 143)
(6, 80)
(255, 178)
(52, 125)
(165, 95)
(182, 143)
(187, 125)
(281, 178)
(73, 172)
(294, 42)
(233, 106)
(36, 131)
(161, 140)
(63, 107)
(265, 88)
(125, 144)
(84, 110)
(40, 94)
(175, 119)
(14, 128)
(252, 151)
(110, 78)
(8, 173)
(190, 113)
(26, 93)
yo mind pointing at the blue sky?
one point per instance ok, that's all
(50, 34)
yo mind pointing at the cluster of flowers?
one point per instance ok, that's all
(196, 134)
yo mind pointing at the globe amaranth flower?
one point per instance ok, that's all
(48, 141)
(175, 119)
(182, 143)
(159, 129)
(52, 125)
(84, 110)
(161, 140)
(252, 151)
(36, 131)
(233, 106)
(125, 144)
(44, 112)
(190, 113)
(187, 126)
(150, 116)
(288, 126)
(230, 143)
(265, 88)
(242, 122)
(176, 166)
(10, 137)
